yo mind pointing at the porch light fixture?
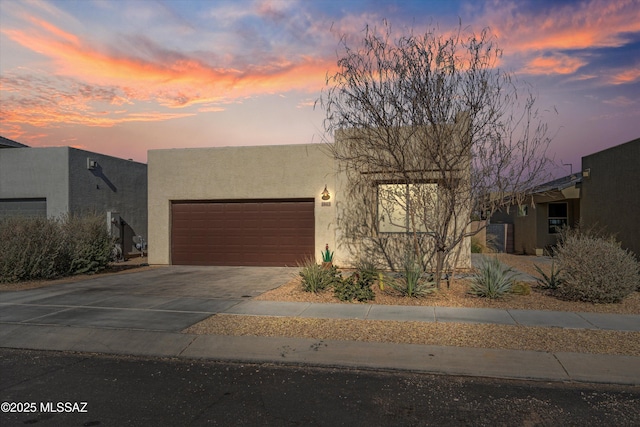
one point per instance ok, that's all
(586, 173)
(325, 194)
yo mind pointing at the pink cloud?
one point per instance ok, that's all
(554, 64)
(627, 76)
(539, 36)
(88, 75)
(620, 101)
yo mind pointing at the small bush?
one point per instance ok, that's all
(367, 269)
(315, 278)
(521, 288)
(595, 268)
(492, 280)
(355, 287)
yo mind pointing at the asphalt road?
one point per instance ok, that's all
(67, 389)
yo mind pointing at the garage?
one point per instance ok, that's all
(274, 232)
(33, 207)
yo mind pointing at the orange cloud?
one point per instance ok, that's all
(89, 81)
(556, 64)
(573, 26)
(627, 76)
(174, 80)
(596, 23)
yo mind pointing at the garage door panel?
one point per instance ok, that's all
(272, 233)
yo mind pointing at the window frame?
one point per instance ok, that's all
(407, 228)
(560, 221)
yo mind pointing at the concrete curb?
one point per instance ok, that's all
(513, 364)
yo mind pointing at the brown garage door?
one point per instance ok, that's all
(257, 232)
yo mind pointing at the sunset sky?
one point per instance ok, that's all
(121, 77)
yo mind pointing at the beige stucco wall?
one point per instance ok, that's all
(257, 172)
(418, 137)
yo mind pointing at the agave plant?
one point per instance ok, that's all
(314, 277)
(412, 282)
(327, 256)
(492, 280)
(551, 281)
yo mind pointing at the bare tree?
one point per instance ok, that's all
(429, 133)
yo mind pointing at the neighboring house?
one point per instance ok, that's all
(610, 193)
(537, 222)
(54, 181)
(259, 205)
(8, 143)
(604, 195)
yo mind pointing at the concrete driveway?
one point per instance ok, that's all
(167, 298)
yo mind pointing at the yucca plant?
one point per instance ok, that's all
(492, 280)
(315, 278)
(551, 281)
(412, 283)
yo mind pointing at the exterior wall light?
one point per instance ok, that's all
(325, 194)
(586, 173)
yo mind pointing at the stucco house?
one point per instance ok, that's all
(610, 192)
(257, 205)
(54, 181)
(603, 195)
(536, 223)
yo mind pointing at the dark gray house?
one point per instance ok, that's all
(54, 181)
(604, 195)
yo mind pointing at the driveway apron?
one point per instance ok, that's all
(168, 298)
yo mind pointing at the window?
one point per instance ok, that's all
(557, 217)
(400, 205)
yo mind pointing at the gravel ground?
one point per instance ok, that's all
(446, 334)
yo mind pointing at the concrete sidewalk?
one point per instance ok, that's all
(529, 365)
(143, 313)
(559, 319)
(155, 332)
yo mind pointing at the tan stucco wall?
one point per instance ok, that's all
(258, 172)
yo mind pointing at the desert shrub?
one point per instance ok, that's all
(412, 281)
(90, 245)
(30, 249)
(34, 248)
(367, 269)
(595, 268)
(355, 287)
(550, 281)
(492, 279)
(521, 288)
(315, 278)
